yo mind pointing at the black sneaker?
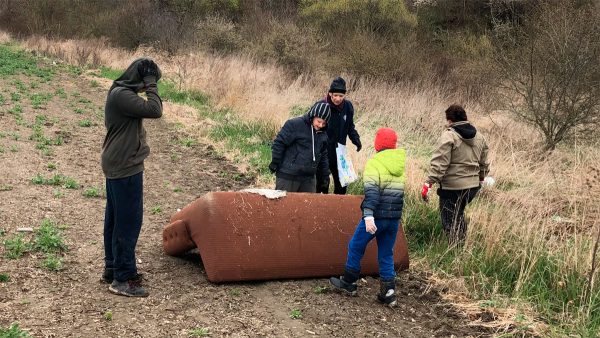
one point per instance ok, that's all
(130, 288)
(339, 284)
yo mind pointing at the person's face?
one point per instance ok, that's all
(337, 98)
(318, 123)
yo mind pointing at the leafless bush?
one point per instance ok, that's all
(549, 71)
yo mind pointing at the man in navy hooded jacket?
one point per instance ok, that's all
(340, 127)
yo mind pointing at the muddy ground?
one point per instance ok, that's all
(73, 303)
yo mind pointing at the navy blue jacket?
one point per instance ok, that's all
(341, 125)
(299, 151)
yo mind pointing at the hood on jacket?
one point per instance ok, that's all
(465, 130)
(392, 159)
(131, 78)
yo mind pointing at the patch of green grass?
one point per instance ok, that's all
(71, 183)
(6, 187)
(20, 85)
(14, 61)
(14, 148)
(108, 315)
(38, 179)
(15, 136)
(15, 97)
(2, 99)
(85, 123)
(51, 166)
(78, 111)
(2, 232)
(110, 73)
(2, 135)
(156, 210)
(188, 141)
(91, 192)
(13, 331)
(48, 238)
(52, 262)
(94, 84)
(4, 277)
(199, 332)
(299, 110)
(177, 189)
(57, 193)
(16, 110)
(60, 92)
(296, 314)
(168, 91)
(1, 150)
(16, 246)
(252, 139)
(39, 101)
(321, 289)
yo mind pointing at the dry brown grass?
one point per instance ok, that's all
(540, 202)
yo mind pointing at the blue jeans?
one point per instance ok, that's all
(387, 228)
(122, 224)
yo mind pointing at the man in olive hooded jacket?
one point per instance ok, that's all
(459, 165)
(123, 154)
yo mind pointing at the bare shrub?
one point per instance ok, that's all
(288, 45)
(218, 34)
(549, 71)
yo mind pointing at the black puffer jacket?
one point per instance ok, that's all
(298, 151)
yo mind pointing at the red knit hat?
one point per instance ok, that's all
(385, 138)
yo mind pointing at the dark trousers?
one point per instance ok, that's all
(337, 187)
(452, 210)
(122, 224)
(302, 185)
(387, 229)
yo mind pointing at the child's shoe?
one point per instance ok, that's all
(346, 283)
(387, 293)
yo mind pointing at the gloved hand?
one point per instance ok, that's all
(323, 185)
(425, 192)
(147, 68)
(273, 167)
(370, 225)
(488, 181)
(358, 146)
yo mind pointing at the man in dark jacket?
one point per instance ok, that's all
(340, 127)
(123, 154)
(299, 151)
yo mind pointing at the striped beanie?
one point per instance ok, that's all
(320, 109)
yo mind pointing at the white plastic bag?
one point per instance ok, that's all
(346, 171)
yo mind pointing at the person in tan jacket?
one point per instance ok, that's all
(458, 165)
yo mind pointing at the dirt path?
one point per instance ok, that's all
(73, 303)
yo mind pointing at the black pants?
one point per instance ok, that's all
(337, 187)
(452, 210)
(301, 185)
(122, 224)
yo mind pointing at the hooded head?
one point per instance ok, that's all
(338, 85)
(385, 138)
(131, 78)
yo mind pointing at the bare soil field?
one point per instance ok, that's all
(71, 302)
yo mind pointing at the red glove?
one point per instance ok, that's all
(425, 192)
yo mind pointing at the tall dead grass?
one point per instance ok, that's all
(539, 203)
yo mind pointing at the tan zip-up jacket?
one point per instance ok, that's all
(460, 160)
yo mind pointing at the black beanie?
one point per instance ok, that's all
(338, 85)
(320, 109)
